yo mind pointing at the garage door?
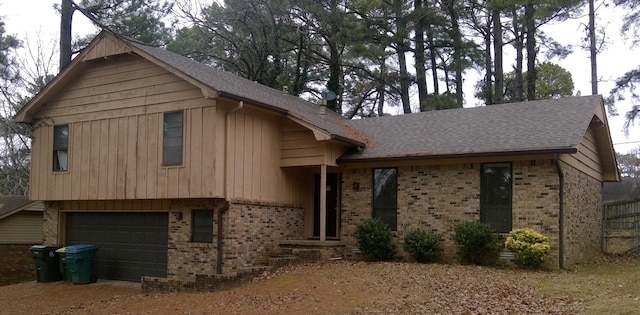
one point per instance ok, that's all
(132, 244)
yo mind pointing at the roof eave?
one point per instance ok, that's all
(346, 140)
(569, 150)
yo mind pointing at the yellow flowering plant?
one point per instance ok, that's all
(530, 247)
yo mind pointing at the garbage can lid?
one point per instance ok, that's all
(44, 247)
(80, 248)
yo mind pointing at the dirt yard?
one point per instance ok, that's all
(345, 287)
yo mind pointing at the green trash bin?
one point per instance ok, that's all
(47, 266)
(79, 259)
(64, 270)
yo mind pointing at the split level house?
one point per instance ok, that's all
(178, 170)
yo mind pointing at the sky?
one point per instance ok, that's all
(41, 20)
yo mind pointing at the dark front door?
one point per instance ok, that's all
(332, 206)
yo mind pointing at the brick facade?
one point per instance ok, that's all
(431, 197)
(250, 232)
(437, 197)
(582, 216)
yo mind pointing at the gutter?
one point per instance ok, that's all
(224, 208)
(556, 161)
(253, 102)
(455, 155)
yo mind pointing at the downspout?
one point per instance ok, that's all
(556, 161)
(225, 207)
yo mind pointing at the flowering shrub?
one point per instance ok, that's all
(530, 247)
(422, 245)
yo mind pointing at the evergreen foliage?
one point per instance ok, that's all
(375, 239)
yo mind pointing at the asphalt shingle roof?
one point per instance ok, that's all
(9, 203)
(551, 126)
(235, 87)
(543, 126)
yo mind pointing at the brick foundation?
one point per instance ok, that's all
(16, 264)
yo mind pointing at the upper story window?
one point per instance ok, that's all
(172, 138)
(495, 196)
(60, 148)
(385, 196)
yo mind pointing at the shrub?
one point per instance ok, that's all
(530, 247)
(477, 241)
(422, 245)
(375, 239)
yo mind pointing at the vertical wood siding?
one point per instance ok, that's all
(115, 113)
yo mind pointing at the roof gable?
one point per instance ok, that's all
(213, 83)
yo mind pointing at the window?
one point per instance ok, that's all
(385, 196)
(172, 139)
(495, 196)
(60, 148)
(202, 226)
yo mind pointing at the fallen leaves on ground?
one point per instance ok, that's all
(338, 287)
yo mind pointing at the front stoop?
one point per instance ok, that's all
(287, 253)
(305, 251)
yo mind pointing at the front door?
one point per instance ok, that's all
(332, 206)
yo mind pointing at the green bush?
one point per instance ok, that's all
(530, 247)
(422, 245)
(375, 239)
(478, 243)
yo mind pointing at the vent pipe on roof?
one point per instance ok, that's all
(326, 96)
(323, 107)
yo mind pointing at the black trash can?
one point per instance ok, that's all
(46, 260)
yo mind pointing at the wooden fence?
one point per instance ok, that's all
(620, 227)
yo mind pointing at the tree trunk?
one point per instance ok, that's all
(488, 64)
(530, 20)
(498, 72)
(434, 62)
(419, 54)
(333, 84)
(66, 18)
(518, 45)
(593, 48)
(456, 37)
(381, 86)
(401, 48)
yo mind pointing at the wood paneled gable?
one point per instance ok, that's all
(107, 47)
(301, 146)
